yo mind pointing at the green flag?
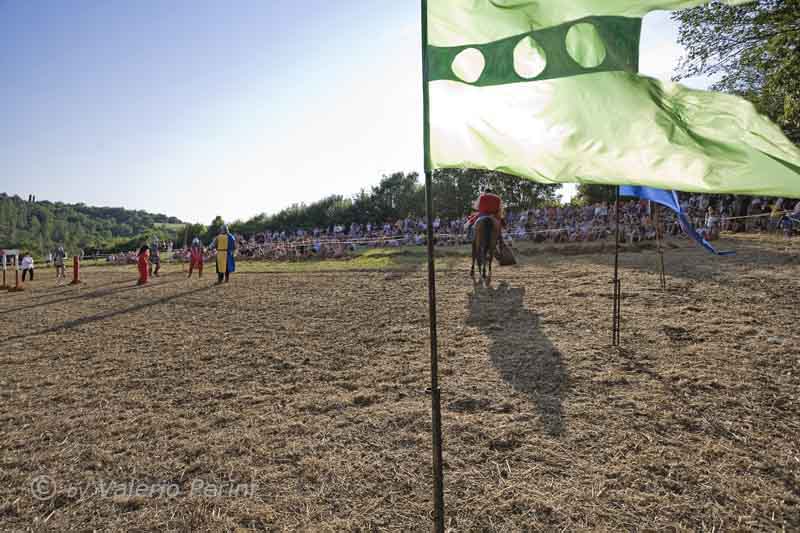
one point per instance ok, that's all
(549, 91)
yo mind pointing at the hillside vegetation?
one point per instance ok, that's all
(40, 226)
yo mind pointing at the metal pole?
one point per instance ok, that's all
(615, 320)
(659, 239)
(436, 405)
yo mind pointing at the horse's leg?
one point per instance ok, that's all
(485, 239)
(480, 234)
(489, 255)
(491, 260)
(472, 270)
(492, 248)
(479, 252)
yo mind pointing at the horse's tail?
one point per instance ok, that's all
(486, 240)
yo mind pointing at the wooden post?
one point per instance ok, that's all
(3, 258)
(76, 271)
(19, 286)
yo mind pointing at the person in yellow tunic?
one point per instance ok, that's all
(225, 244)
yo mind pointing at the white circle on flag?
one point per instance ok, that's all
(468, 65)
(529, 58)
(585, 45)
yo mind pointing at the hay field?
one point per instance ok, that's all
(308, 387)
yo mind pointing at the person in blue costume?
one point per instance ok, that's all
(225, 243)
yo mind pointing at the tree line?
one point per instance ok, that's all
(39, 227)
(396, 196)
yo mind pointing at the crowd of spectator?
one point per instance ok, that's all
(554, 224)
(710, 215)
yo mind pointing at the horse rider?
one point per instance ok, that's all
(487, 204)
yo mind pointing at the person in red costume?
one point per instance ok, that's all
(143, 262)
(196, 257)
(487, 204)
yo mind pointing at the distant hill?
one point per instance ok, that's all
(40, 226)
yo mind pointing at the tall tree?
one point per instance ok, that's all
(188, 232)
(518, 193)
(213, 229)
(753, 50)
(455, 190)
(592, 194)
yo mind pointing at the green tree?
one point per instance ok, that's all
(396, 196)
(518, 193)
(213, 229)
(189, 232)
(592, 194)
(753, 50)
(40, 226)
(455, 190)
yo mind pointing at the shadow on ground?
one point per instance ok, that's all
(75, 293)
(524, 356)
(71, 324)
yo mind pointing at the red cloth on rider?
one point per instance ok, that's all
(488, 204)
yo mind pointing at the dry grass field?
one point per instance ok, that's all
(307, 386)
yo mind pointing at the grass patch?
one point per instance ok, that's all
(404, 259)
(375, 259)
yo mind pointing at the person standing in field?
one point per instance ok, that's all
(58, 261)
(143, 260)
(225, 244)
(155, 258)
(196, 257)
(27, 266)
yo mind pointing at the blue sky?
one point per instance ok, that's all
(195, 108)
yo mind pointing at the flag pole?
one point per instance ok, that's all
(615, 320)
(436, 406)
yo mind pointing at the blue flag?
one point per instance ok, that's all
(670, 199)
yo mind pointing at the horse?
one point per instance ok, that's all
(487, 232)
